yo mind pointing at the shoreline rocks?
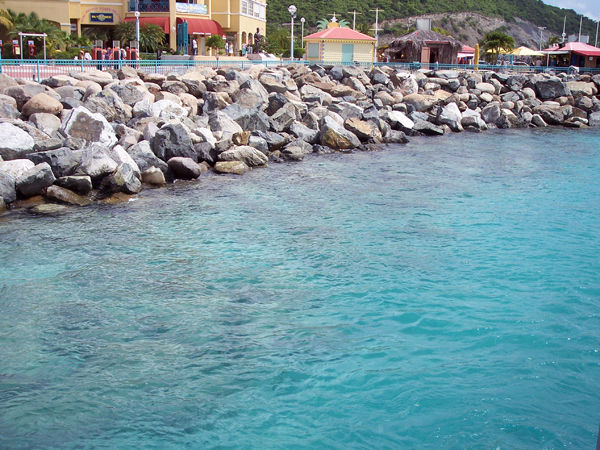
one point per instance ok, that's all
(104, 136)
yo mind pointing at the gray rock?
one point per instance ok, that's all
(537, 120)
(16, 167)
(127, 72)
(35, 179)
(8, 111)
(73, 92)
(64, 195)
(173, 140)
(110, 105)
(366, 131)
(63, 161)
(91, 127)
(8, 190)
(143, 156)
(175, 87)
(48, 123)
(594, 118)
(206, 152)
(346, 110)
(335, 136)
(301, 131)
(491, 113)
(398, 121)
(272, 85)
(123, 179)
(119, 155)
(22, 94)
(70, 103)
(551, 87)
(154, 177)
(249, 155)
(248, 119)
(221, 124)
(276, 101)
(184, 168)
(550, 114)
(428, 128)
(395, 137)
(292, 153)
(128, 93)
(215, 101)
(95, 162)
(14, 142)
(450, 115)
(81, 184)
(283, 118)
(474, 123)
(168, 110)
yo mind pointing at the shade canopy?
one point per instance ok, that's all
(202, 26)
(162, 22)
(575, 47)
(525, 51)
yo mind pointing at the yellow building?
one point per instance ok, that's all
(337, 44)
(237, 20)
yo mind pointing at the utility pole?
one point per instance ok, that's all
(597, 25)
(354, 20)
(541, 36)
(376, 30)
(580, 24)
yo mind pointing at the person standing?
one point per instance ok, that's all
(194, 46)
(226, 48)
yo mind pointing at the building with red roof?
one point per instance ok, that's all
(337, 44)
(575, 54)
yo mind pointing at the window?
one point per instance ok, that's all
(251, 8)
(313, 50)
(244, 7)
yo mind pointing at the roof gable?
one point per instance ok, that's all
(340, 33)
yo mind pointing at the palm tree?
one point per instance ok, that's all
(32, 23)
(5, 19)
(152, 37)
(322, 24)
(495, 42)
(364, 28)
(553, 40)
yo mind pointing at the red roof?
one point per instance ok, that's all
(467, 49)
(340, 33)
(577, 47)
(162, 22)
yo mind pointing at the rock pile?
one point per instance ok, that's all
(90, 135)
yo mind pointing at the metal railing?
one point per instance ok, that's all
(150, 6)
(38, 70)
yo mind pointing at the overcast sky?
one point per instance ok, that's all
(590, 8)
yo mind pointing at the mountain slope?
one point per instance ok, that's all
(534, 11)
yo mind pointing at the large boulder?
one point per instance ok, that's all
(428, 128)
(552, 115)
(96, 163)
(47, 123)
(283, 118)
(120, 156)
(248, 118)
(128, 93)
(491, 113)
(62, 161)
(16, 167)
(251, 94)
(249, 155)
(42, 103)
(333, 135)
(365, 130)
(450, 115)
(22, 94)
(303, 132)
(184, 168)
(14, 142)
(91, 127)
(168, 110)
(222, 125)
(551, 87)
(35, 179)
(594, 119)
(97, 76)
(81, 184)
(67, 196)
(123, 179)
(154, 177)
(420, 102)
(173, 140)
(110, 105)
(233, 167)
(145, 158)
(399, 121)
(8, 190)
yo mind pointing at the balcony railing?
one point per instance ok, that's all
(150, 5)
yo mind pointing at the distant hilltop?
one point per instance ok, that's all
(534, 12)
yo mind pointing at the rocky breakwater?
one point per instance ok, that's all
(93, 136)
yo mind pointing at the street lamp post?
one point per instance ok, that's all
(137, 20)
(302, 20)
(292, 10)
(541, 36)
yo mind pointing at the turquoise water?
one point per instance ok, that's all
(441, 295)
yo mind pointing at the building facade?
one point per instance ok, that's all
(237, 20)
(338, 44)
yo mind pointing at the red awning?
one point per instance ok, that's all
(588, 52)
(202, 26)
(162, 22)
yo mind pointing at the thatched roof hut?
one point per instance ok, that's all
(424, 47)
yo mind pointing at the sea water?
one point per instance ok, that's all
(439, 295)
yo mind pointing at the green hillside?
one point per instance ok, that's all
(531, 10)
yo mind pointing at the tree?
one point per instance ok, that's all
(215, 42)
(151, 36)
(553, 40)
(32, 23)
(364, 28)
(5, 19)
(277, 41)
(495, 42)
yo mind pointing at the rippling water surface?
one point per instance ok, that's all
(441, 295)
